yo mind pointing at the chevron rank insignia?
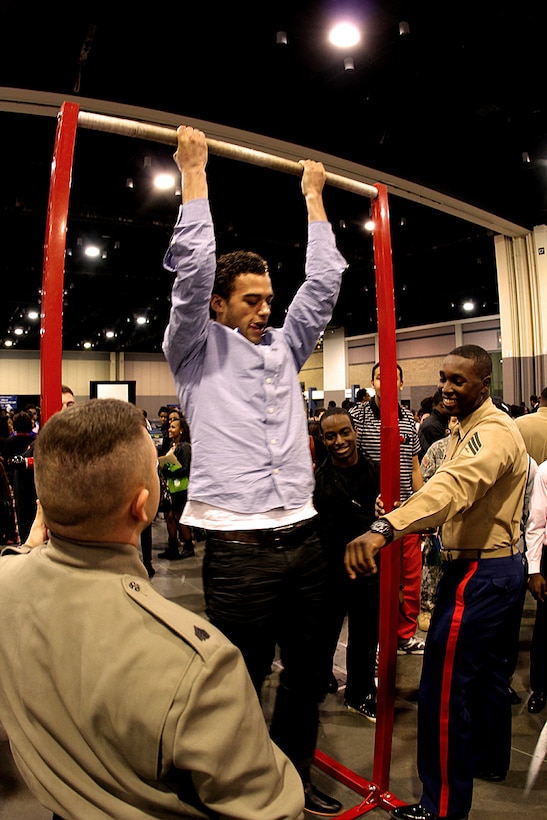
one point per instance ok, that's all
(473, 445)
(200, 633)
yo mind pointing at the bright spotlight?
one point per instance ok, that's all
(164, 181)
(344, 35)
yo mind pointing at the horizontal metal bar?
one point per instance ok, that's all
(47, 104)
(168, 136)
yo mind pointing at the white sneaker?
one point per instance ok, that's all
(412, 646)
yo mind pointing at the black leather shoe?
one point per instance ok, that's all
(187, 552)
(171, 555)
(491, 777)
(332, 685)
(515, 699)
(319, 803)
(418, 812)
(536, 702)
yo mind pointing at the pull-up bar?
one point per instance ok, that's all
(375, 792)
(168, 136)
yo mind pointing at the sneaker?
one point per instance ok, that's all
(367, 709)
(412, 646)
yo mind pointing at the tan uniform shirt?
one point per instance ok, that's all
(533, 427)
(477, 493)
(119, 703)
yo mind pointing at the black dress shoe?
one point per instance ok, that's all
(332, 685)
(319, 803)
(418, 812)
(187, 552)
(515, 699)
(171, 555)
(491, 776)
(536, 702)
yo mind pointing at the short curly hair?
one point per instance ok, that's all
(233, 264)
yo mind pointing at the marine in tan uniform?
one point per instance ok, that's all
(117, 702)
(464, 711)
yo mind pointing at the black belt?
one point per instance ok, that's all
(475, 555)
(279, 538)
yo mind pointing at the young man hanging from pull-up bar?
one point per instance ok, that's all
(251, 482)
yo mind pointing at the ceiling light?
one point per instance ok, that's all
(8, 343)
(87, 345)
(404, 28)
(369, 225)
(164, 181)
(469, 305)
(18, 331)
(349, 65)
(141, 320)
(33, 314)
(109, 334)
(344, 35)
(281, 38)
(92, 251)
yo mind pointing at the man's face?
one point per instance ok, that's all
(340, 439)
(462, 387)
(67, 401)
(376, 382)
(249, 306)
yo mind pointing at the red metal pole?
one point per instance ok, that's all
(51, 316)
(375, 792)
(389, 487)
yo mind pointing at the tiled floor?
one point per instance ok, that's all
(348, 738)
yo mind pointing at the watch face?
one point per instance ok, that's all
(383, 528)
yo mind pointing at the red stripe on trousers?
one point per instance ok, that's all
(447, 685)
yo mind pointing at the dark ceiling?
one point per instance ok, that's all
(457, 104)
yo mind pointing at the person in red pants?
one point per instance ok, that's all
(367, 422)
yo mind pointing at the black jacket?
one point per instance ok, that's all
(344, 499)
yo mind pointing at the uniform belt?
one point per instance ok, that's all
(475, 555)
(279, 538)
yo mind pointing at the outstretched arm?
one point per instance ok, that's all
(313, 181)
(191, 159)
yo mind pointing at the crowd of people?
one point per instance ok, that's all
(293, 524)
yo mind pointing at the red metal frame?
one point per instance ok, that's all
(51, 316)
(375, 792)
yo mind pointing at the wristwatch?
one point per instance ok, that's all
(384, 528)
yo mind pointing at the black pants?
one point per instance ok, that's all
(260, 595)
(359, 599)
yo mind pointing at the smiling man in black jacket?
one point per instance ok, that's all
(347, 484)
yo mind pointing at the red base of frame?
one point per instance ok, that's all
(369, 791)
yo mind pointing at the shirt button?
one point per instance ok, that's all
(276, 471)
(270, 410)
(273, 441)
(268, 381)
